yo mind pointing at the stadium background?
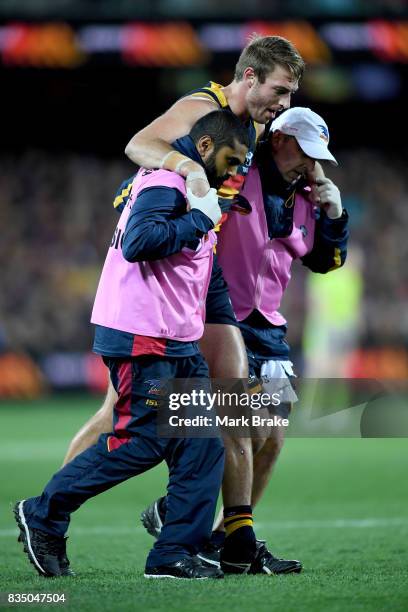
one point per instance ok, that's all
(79, 78)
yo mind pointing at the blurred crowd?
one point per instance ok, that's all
(374, 186)
(57, 221)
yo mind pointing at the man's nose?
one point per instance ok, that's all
(284, 101)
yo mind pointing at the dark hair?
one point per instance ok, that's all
(223, 127)
(264, 53)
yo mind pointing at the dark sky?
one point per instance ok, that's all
(98, 109)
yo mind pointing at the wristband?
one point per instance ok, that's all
(199, 174)
(173, 160)
(165, 158)
(186, 160)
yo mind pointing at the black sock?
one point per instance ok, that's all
(236, 518)
(240, 540)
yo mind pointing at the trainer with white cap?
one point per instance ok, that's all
(299, 138)
(256, 252)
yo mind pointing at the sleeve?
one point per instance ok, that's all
(159, 226)
(329, 250)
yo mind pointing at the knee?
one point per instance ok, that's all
(103, 418)
(272, 447)
(105, 423)
(110, 399)
(238, 447)
(257, 445)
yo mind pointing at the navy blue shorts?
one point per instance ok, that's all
(140, 383)
(218, 304)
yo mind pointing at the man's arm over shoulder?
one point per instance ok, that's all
(159, 226)
(148, 147)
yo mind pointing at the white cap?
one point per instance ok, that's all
(309, 129)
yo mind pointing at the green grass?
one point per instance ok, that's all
(341, 506)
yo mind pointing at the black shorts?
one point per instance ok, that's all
(218, 305)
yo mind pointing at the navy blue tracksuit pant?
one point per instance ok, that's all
(195, 464)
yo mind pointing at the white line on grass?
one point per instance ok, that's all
(321, 524)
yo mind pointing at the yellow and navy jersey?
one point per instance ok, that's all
(123, 194)
(230, 188)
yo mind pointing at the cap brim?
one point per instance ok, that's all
(317, 151)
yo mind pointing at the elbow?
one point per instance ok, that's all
(129, 149)
(128, 255)
(132, 251)
(134, 256)
(132, 148)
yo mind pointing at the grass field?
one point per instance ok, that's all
(341, 506)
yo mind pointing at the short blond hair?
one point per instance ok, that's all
(264, 53)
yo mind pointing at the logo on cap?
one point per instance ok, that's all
(324, 133)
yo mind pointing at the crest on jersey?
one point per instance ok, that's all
(248, 158)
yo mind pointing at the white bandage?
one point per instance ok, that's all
(330, 197)
(207, 204)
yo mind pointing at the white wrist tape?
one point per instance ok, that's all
(173, 161)
(181, 163)
(196, 175)
(165, 158)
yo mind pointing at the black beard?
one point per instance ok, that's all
(211, 171)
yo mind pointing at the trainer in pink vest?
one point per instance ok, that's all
(163, 298)
(256, 268)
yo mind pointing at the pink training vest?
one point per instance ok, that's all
(256, 268)
(163, 298)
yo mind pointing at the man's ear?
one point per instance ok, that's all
(278, 138)
(205, 146)
(249, 76)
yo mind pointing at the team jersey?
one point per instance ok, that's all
(230, 188)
